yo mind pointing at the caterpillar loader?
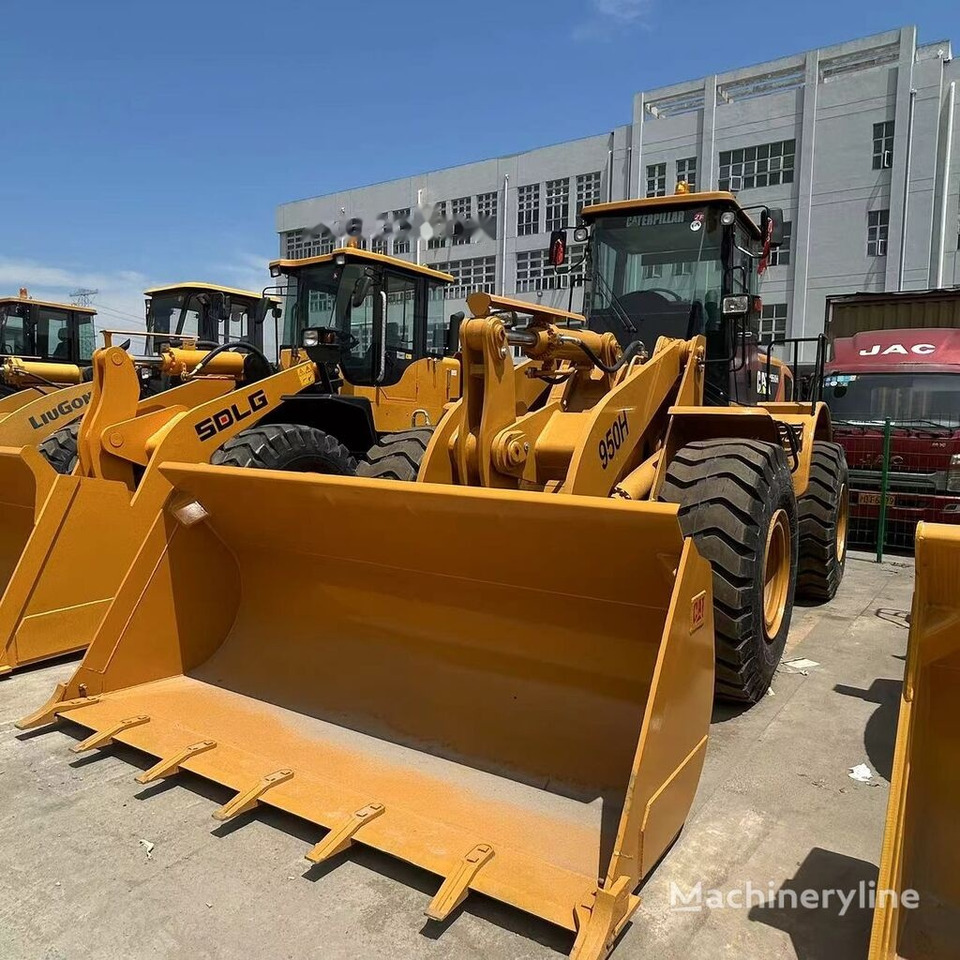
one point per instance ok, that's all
(49, 606)
(436, 686)
(921, 843)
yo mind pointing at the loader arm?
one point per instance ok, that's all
(592, 426)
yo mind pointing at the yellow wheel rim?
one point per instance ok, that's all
(776, 573)
(843, 517)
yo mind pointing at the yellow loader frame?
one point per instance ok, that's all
(54, 599)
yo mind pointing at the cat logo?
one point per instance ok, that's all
(210, 426)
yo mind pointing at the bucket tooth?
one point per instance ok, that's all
(341, 836)
(103, 737)
(50, 710)
(247, 799)
(600, 918)
(168, 766)
(455, 888)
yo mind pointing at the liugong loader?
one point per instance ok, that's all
(419, 668)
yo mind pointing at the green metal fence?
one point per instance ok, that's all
(901, 472)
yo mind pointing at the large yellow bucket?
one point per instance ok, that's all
(918, 901)
(510, 690)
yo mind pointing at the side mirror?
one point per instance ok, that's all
(360, 290)
(774, 216)
(558, 248)
(453, 333)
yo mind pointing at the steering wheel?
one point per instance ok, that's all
(663, 292)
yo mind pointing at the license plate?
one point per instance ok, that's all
(873, 499)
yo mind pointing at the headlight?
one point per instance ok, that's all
(953, 474)
(274, 270)
(728, 218)
(580, 234)
(736, 306)
(311, 338)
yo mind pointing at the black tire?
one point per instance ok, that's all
(287, 446)
(397, 456)
(823, 511)
(60, 448)
(730, 492)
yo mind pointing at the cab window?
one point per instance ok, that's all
(189, 325)
(436, 321)
(401, 303)
(86, 337)
(53, 333)
(14, 336)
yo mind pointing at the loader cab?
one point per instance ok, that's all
(385, 321)
(682, 266)
(48, 331)
(206, 312)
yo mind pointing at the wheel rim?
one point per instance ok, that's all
(776, 573)
(843, 517)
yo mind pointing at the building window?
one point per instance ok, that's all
(773, 322)
(651, 271)
(687, 172)
(487, 214)
(469, 276)
(462, 211)
(883, 145)
(780, 256)
(528, 210)
(438, 223)
(300, 244)
(878, 223)
(379, 245)
(765, 165)
(656, 179)
(588, 190)
(535, 272)
(558, 204)
(401, 229)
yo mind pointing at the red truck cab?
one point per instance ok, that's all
(912, 378)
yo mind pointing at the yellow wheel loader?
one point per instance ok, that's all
(290, 420)
(917, 913)
(410, 666)
(46, 349)
(387, 359)
(201, 314)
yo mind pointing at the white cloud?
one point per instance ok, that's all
(609, 17)
(120, 293)
(119, 300)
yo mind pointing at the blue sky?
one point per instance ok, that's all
(151, 141)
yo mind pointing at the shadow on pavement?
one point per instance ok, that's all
(880, 732)
(820, 932)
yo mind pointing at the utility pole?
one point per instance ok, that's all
(83, 296)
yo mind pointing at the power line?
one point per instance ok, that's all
(83, 296)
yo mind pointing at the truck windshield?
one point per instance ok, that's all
(659, 273)
(931, 397)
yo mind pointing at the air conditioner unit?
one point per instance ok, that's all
(881, 248)
(887, 159)
(736, 184)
